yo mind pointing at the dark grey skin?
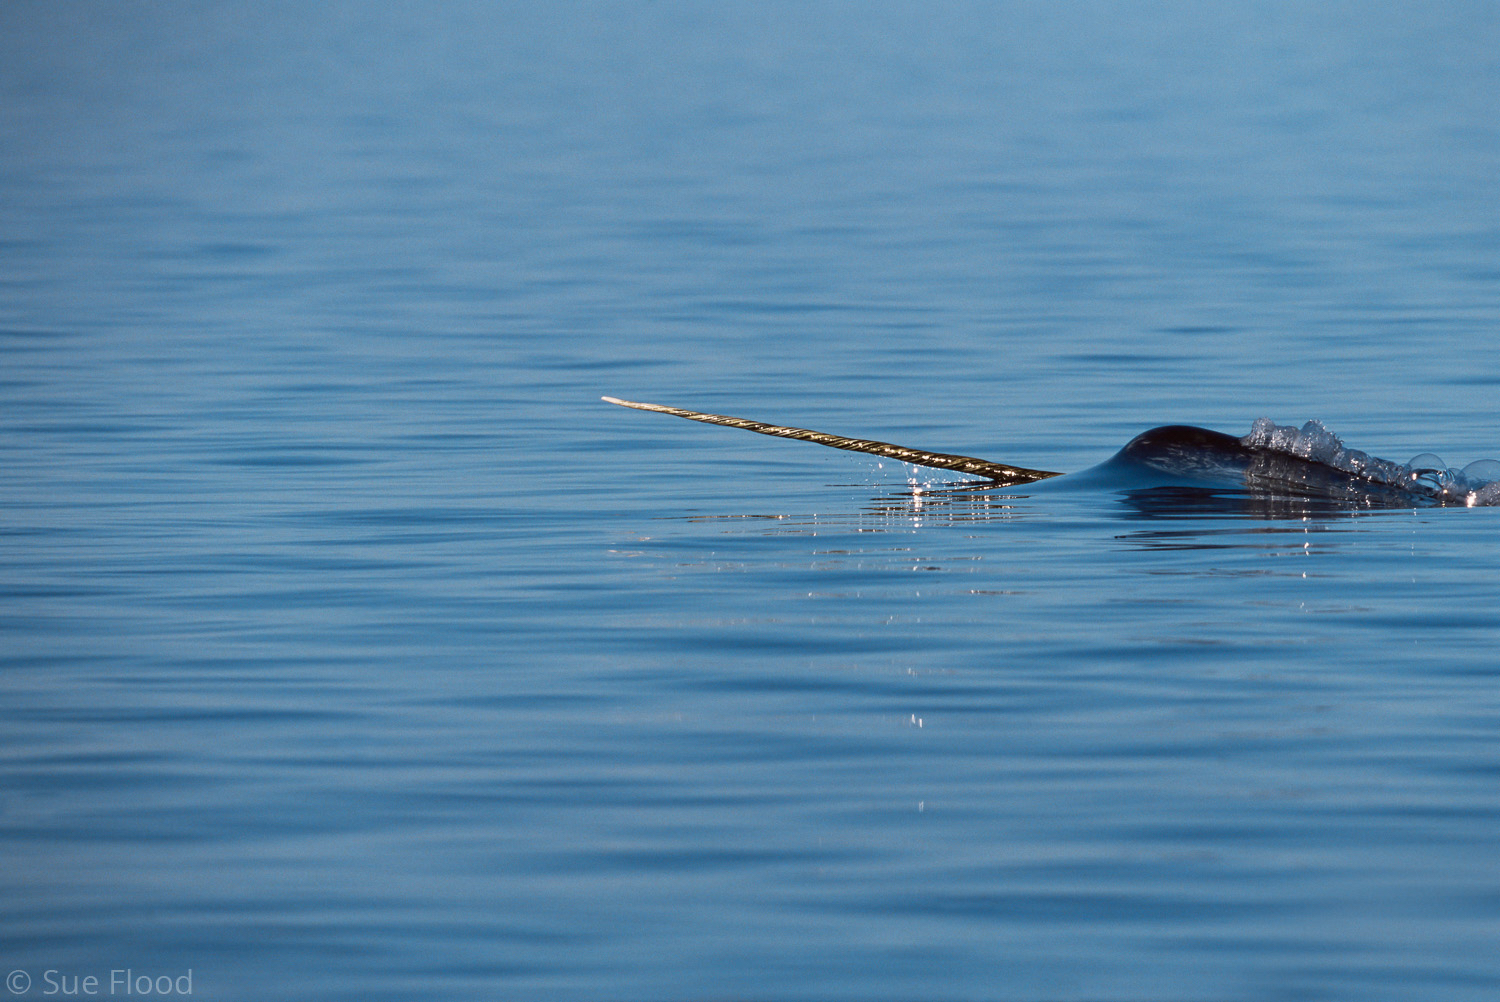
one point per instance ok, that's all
(1178, 459)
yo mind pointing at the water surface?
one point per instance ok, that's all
(353, 649)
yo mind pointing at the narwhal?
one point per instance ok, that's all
(1272, 460)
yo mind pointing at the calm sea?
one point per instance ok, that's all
(352, 649)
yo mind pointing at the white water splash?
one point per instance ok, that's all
(1477, 484)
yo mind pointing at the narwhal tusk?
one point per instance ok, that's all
(999, 472)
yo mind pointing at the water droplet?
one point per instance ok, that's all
(1483, 471)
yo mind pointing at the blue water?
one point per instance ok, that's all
(352, 649)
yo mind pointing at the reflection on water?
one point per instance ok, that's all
(1192, 502)
(987, 502)
(951, 503)
(1200, 519)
